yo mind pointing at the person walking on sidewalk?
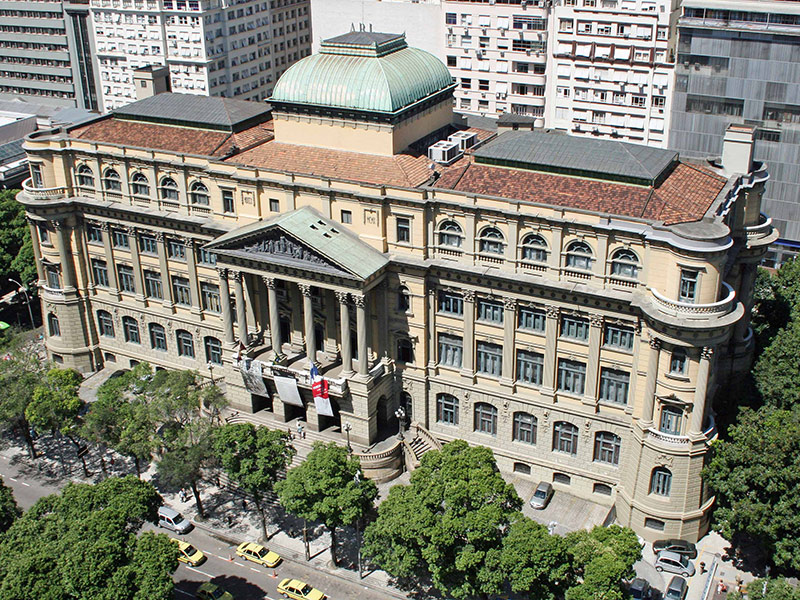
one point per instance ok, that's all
(299, 430)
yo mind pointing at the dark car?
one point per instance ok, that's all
(640, 589)
(681, 547)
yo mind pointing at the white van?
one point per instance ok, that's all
(171, 519)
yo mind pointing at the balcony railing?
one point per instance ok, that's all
(39, 193)
(678, 440)
(686, 309)
(763, 229)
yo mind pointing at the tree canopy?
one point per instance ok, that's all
(16, 249)
(775, 589)
(536, 563)
(83, 543)
(9, 509)
(777, 372)
(20, 375)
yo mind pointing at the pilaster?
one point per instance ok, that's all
(590, 390)
(551, 336)
(468, 350)
(509, 330)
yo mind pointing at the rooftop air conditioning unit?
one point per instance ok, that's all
(464, 139)
(444, 152)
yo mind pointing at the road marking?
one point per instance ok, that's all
(25, 484)
(184, 592)
(256, 570)
(209, 575)
(12, 479)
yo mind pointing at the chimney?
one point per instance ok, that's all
(151, 80)
(737, 150)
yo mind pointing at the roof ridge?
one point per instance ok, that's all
(703, 171)
(634, 157)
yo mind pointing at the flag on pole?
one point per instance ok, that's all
(319, 390)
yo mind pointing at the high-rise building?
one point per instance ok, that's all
(46, 53)
(741, 64)
(235, 49)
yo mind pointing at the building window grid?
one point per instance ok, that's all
(176, 250)
(688, 286)
(228, 204)
(485, 418)
(678, 362)
(105, 324)
(158, 337)
(53, 325)
(450, 350)
(524, 428)
(125, 276)
(181, 291)
(450, 234)
(139, 185)
(213, 350)
(571, 376)
(130, 328)
(565, 438)
(120, 239)
(614, 385)
(185, 343)
(169, 190)
(94, 235)
(148, 245)
(447, 409)
(624, 263)
(85, 176)
(579, 256)
(490, 311)
(531, 319)
(100, 272)
(491, 241)
(199, 194)
(152, 285)
(534, 248)
(671, 420)
(619, 337)
(403, 230)
(575, 328)
(607, 448)
(451, 303)
(209, 294)
(661, 482)
(489, 359)
(530, 367)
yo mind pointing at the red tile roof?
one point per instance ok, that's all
(685, 195)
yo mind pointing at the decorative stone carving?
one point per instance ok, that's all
(305, 289)
(359, 300)
(269, 282)
(237, 275)
(510, 303)
(105, 226)
(159, 236)
(466, 403)
(248, 197)
(342, 297)
(664, 460)
(130, 230)
(505, 411)
(223, 273)
(283, 246)
(587, 429)
(707, 353)
(655, 343)
(546, 420)
(469, 295)
(552, 311)
(596, 320)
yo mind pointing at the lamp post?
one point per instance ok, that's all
(210, 367)
(347, 427)
(27, 299)
(400, 413)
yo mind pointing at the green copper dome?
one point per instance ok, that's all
(365, 71)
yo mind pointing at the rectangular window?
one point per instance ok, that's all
(524, 428)
(158, 338)
(44, 233)
(531, 319)
(451, 303)
(688, 291)
(450, 350)
(671, 417)
(100, 272)
(571, 376)
(450, 18)
(614, 386)
(181, 291)
(678, 362)
(176, 250)
(152, 285)
(274, 205)
(619, 336)
(447, 409)
(575, 328)
(490, 359)
(53, 280)
(530, 366)
(36, 176)
(148, 245)
(120, 239)
(490, 312)
(206, 257)
(403, 230)
(209, 294)
(94, 234)
(125, 273)
(227, 202)
(347, 217)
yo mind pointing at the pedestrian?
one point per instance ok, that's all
(182, 495)
(299, 429)
(304, 434)
(702, 567)
(289, 431)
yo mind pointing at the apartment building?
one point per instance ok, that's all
(230, 48)
(741, 64)
(46, 53)
(571, 303)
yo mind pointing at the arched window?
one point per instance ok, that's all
(491, 241)
(105, 323)
(52, 324)
(524, 428)
(624, 263)
(450, 234)
(403, 299)
(185, 343)
(199, 193)
(405, 352)
(169, 189)
(534, 248)
(139, 185)
(85, 176)
(485, 418)
(111, 181)
(213, 350)
(158, 337)
(565, 438)
(447, 409)
(661, 481)
(606, 448)
(131, 330)
(579, 256)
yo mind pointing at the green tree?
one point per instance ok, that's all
(9, 509)
(188, 454)
(448, 524)
(16, 250)
(83, 543)
(601, 559)
(777, 371)
(22, 373)
(776, 589)
(329, 487)
(253, 457)
(755, 475)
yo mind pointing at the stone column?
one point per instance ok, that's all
(163, 263)
(225, 300)
(37, 253)
(468, 350)
(241, 309)
(308, 322)
(344, 326)
(700, 391)
(431, 328)
(65, 255)
(509, 329)
(274, 318)
(381, 298)
(111, 265)
(590, 390)
(650, 382)
(361, 332)
(138, 280)
(749, 272)
(331, 347)
(551, 336)
(191, 266)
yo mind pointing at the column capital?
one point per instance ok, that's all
(223, 273)
(186, 241)
(707, 352)
(105, 226)
(596, 320)
(60, 225)
(360, 300)
(269, 281)
(130, 230)
(342, 297)
(552, 311)
(305, 289)
(510, 303)
(469, 295)
(159, 235)
(235, 275)
(655, 343)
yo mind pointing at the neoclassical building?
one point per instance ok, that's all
(571, 303)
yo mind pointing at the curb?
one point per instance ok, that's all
(285, 552)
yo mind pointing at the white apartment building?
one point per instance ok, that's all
(611, 69)
(231, 48)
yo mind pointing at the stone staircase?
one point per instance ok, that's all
(419, 446)
(422, 442)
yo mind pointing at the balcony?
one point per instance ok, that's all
(686, 310)
(667, 438)
(39, 193)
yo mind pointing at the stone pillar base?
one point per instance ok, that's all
(312, 418)
(279, 409)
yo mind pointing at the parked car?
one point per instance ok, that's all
(542, 495)
(299, 590)
(171, 519)
(188, 553)
(211, 591)
(688, 549)
(258, 554)
(672, 562)
(677, 588)
(640, 589)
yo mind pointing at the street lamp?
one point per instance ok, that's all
(347, 427)
(400, 413)
(210, 367)
(27, 299)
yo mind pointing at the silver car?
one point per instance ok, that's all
(672, 562)
(542, 495)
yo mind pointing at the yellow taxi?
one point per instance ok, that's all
(299, 590)
(258, 554)
(188, 554)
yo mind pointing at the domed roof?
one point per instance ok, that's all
(366, 71)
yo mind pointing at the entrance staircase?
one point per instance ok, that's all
(422, 442)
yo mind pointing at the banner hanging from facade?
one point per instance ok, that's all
(287, 390)
(319, 389)
(253, 376)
